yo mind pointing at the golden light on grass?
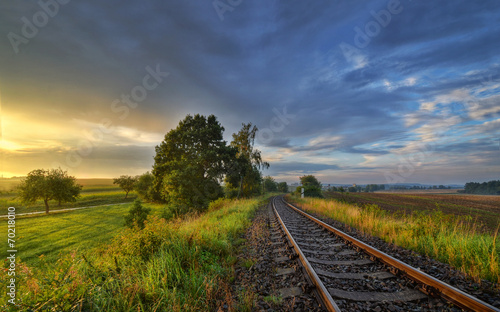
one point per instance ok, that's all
(443, 237)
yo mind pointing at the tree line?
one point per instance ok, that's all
(486, 188)
(193, 166)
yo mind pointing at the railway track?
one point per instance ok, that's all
(349, 275)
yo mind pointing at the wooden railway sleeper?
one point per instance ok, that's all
(395, 271)
(429, 290)
(308, 287)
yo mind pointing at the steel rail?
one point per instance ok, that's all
(327, 299)
(442, 289)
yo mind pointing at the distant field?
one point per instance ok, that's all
(432, 191)
(95, 182)
(483, 208)
(9, 184)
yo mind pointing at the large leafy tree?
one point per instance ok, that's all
(311, 185)
(244, 178)
(53, 184)
(310, 180)
(190, 163)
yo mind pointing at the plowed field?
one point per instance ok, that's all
(483, 208)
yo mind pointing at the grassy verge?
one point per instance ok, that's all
(446, 238)
(183, 264)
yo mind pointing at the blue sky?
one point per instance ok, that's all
(350, 91)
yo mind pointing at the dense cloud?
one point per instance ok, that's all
(419, 68)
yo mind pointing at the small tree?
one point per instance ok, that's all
(283, 187)
(126, 182)
(48, 185)
(137, 215)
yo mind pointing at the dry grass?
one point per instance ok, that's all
(483, 210)
(446, 238)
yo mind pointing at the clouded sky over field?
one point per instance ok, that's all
(351, 91)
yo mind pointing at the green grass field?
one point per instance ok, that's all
(183, 264)
(63, 232)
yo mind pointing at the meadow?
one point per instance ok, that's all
(482, 210)
(49, 237)
(87, 259)
(447, 238)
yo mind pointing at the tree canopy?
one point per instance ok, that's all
(53, 184)
(144, 185)
(310, 180)
(190, 162)
(283, 187)
(244, 177)
(491, 187)
(270, 185)
(311, 185)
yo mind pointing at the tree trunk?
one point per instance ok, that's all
(239, 191)
(126, 194)
(46, 201)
